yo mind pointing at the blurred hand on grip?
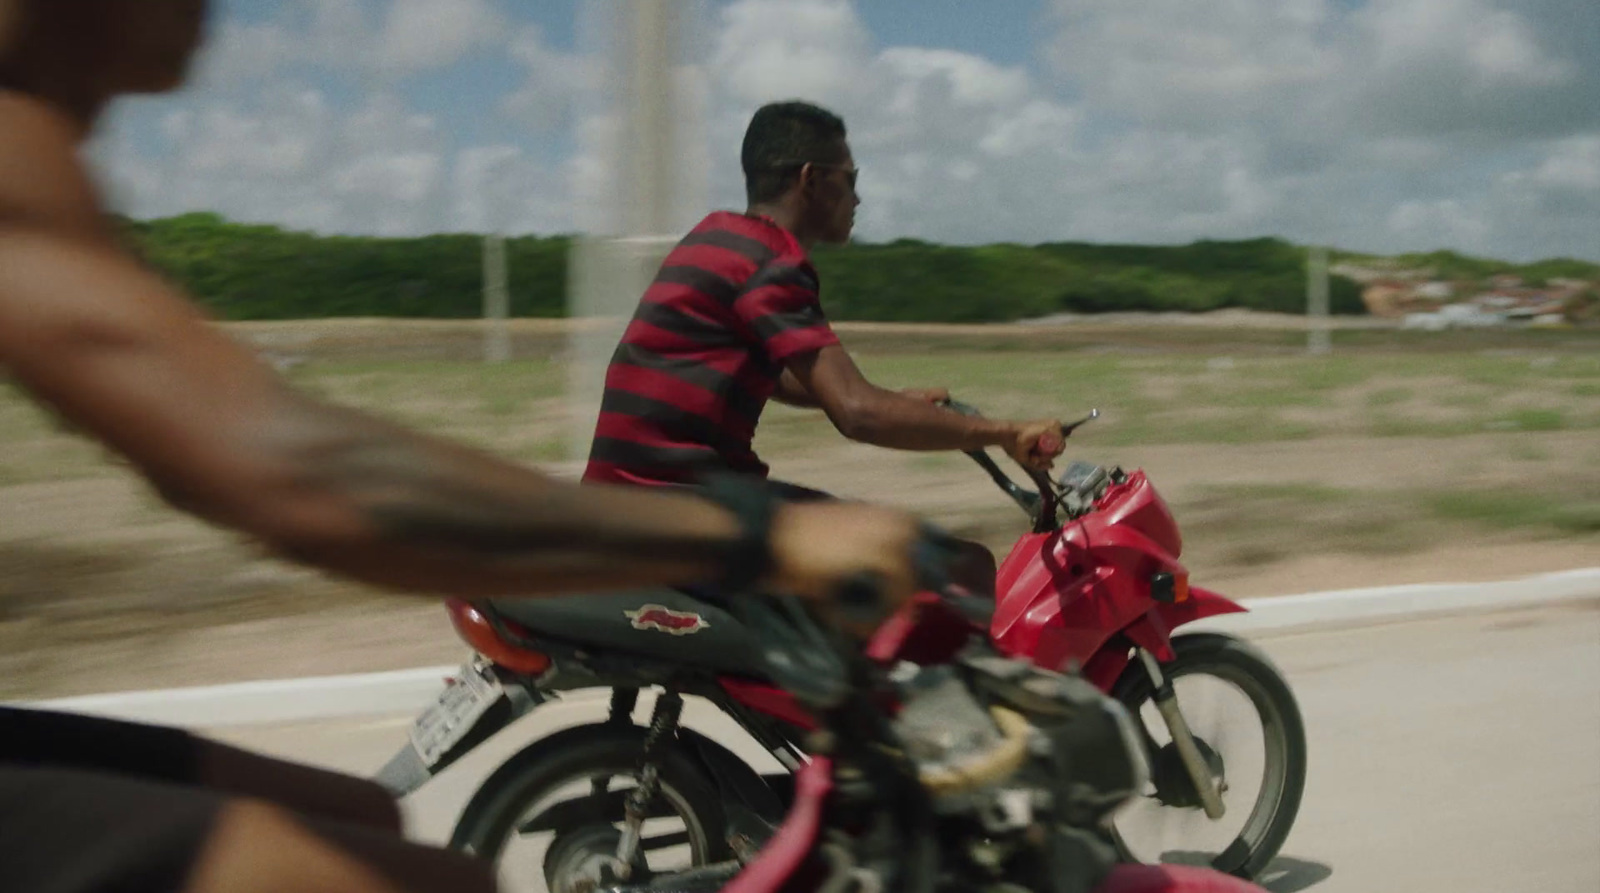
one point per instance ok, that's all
(844, 554)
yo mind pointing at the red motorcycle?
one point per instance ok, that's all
(963, 770)
(1095, 589)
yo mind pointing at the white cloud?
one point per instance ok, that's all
(422, 34)
(771, 48)
(933, 130)
(290, 158)
(1573, 163)
(405, 37)
(499, 188)
(1187, 119)
(1169, 61)
(1382, 125)
(554, 82)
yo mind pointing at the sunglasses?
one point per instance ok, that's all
(850, 173)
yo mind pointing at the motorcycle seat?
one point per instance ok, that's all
(650, 622)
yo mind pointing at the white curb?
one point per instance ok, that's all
(408, 691)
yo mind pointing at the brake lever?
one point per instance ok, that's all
(1066, 430)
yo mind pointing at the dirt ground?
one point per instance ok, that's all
(102, 588)
(96, 601)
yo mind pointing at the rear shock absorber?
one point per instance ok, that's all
(663, 728)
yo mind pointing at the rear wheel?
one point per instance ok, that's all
(1247, 727)
(556, 818)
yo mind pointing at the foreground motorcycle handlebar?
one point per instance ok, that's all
(812, 661)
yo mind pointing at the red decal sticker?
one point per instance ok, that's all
(677, 623)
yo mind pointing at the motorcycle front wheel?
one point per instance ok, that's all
(1261, 771)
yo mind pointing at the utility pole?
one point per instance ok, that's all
(613, 263)
(1318, 339)
(496, 300)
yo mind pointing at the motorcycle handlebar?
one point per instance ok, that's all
(1041, 505)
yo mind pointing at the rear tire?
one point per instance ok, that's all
(492, 816)
(1241, 664)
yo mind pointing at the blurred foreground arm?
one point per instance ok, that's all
(120, 353)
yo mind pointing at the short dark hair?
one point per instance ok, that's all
(781, 137)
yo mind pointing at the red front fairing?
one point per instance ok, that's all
(1062, 595)
(1134, 504)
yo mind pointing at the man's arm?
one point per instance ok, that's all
(865, 412)
(781, 306)
(790, 391)
(117, 354)
(116, 351)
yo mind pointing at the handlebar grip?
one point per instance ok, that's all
(960, 408)
(1050, 443)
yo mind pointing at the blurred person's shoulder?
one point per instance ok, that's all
(43, 181)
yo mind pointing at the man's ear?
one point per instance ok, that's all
(808, 177)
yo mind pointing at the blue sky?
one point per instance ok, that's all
(1382, 125)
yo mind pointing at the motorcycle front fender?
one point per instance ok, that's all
(1152, 631)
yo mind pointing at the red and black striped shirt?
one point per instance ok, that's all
(732, 302)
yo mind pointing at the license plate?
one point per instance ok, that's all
(464, 700)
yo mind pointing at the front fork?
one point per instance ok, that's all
(1167, 702)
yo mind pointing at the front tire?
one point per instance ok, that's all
(1244, 667)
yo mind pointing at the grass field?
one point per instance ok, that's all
(1391, 449)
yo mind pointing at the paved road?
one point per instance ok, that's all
(1447, 755)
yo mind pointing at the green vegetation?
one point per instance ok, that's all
(1563, 513)
(253, 272)
(912, 281)
(262, 272)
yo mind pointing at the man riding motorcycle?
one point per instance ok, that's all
(733, 319)
(121, 354)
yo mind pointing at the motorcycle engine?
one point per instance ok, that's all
(1024, 767)
(994, 734)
